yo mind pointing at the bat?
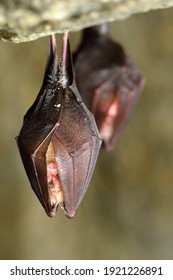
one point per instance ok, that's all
(59, 141)
(108, 81)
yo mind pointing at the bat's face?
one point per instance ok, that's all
(59, 142)
(112, 82)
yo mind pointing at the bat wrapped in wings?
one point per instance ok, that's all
(108, 81)
(59, 141)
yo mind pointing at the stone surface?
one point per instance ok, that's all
(24, 20)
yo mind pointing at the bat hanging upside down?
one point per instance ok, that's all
(108, 81)
(59, 141)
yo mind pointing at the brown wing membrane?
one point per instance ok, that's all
(113, 102)
(76, 148)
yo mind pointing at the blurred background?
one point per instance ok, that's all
(127, 212)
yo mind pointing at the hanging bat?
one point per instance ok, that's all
(108, 82)
(59, 141)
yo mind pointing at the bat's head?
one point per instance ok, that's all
(59, 141)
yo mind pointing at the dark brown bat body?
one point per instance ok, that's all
(59, 141)
(108, 81)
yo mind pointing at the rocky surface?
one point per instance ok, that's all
(24, 20)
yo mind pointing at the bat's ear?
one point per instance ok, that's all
(66, 72)
(52, 63)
